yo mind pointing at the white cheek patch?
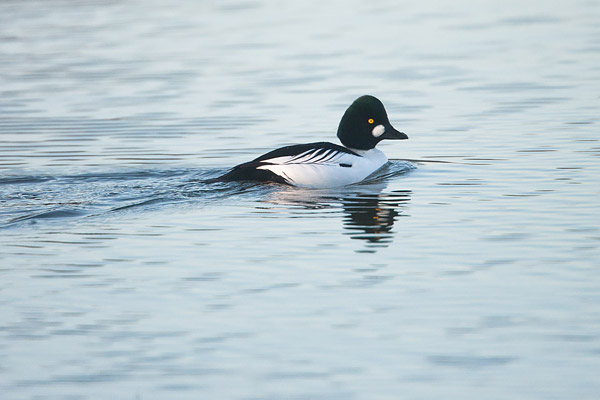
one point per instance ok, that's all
(378, 130)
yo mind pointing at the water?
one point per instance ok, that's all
(468, 268)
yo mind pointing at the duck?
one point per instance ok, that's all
(323, 164)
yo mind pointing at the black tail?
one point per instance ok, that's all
(249, 172)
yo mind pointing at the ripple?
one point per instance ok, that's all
(470, 362)
(51, 215)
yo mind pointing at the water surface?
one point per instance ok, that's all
(467, 268)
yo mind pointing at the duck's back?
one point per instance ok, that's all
(315, 165)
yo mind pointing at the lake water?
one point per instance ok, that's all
(468, 268)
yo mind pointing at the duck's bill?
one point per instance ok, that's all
(391, 133)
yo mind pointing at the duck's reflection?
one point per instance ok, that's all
(369, 213)
(371, 217)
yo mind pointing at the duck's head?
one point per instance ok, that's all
(365, 123)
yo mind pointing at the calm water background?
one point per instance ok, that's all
(474, 275)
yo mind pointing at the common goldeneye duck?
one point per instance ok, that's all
(322, 164)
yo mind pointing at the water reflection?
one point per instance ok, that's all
(371, 217)
(369, 213)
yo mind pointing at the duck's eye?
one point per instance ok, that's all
(371, 120)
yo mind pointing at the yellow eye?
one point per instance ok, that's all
(371, 120)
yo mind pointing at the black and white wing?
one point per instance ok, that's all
(296, 164)
(311, 153)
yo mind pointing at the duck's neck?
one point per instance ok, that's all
(363, 153)
(375, 156)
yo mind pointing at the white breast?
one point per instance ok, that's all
(329, 173)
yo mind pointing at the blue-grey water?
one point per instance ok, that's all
(468, 268)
